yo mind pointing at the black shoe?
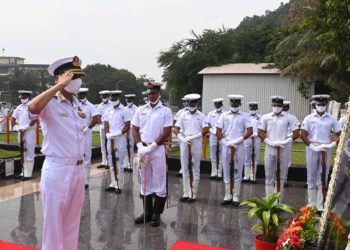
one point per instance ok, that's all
(101, 166)
(213, 177)
(253, 182)
(191, 200)
(285, 184)
(141, 219)
(155, 222)
(226, 203)
(245, 181)
(179, 175)
(118, 190)
(110, 189)
(184, 199)
(19, 176)
(219, 178)
(106, 167)
(86, 186)
(235, 204)
(26, 178)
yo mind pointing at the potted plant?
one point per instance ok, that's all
(269, 213)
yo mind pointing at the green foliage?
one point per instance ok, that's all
(247, 43)
(269, 214)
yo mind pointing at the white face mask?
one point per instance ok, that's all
(74, 86)
(253, 112)
(234, 109)
(192, 109)
(105, 99)
(155, 102)
(320, 109)
(276, 110)
(83, 100)
(129, 104)
(24, 101)
(115, 103)
(219, 109)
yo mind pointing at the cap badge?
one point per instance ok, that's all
(76, 62)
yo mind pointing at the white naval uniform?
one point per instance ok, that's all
(151, 123)
(63, 175)
(276, 129)
(191, 124)
(23, 118)
(132, 110)
(248, 147)
(3, 114)
(89, 111)
(116, 118)
(319, 130)
(176, 117)
(212, 119)
(234, 126)
(101, 109)
(289, 145)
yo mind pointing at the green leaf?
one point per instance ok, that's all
(275, 219)
(252, 212)
(266, 219)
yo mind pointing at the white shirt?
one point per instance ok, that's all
(234, 125)
(89, 110)
(255, 119)
(191, 124)
(101, 109)
(131, 109)
(320, 128)
(178, 113)
(152, 121)
(296, 121)
(62, 124)
(212, 119)
(342, 121)
(117, 117)
(276, 127)
(21, 114)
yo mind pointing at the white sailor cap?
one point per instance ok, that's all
(235, 97)
(320, 98)
(277, 99)
(217, 100)
(104, 92)
(192, 97)
(129, 95)
(83, 90)
(25, 92)
(62, 65)
(153, 87)
(184, 99)
(115, 92)
(253, 103)
(286, 102)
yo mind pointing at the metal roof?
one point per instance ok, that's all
(240, 68)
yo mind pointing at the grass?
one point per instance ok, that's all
(298, 154)
(4, 154)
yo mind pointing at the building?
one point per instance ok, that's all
(256, 83)
(9, 63)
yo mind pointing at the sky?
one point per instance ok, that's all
(126, 34)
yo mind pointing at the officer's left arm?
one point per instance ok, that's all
(94, 121)
(164, 136)
(106, 126)
(248, 133)
(337, 131)
(126, 127)
(296, 134)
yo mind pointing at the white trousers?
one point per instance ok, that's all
(87, 149)
(102, 140)
(248, 147)
(119, 147)
(29, 144)
(239, 161)
(270, 159)
(62, 192)
(289, 153)
(153, 173)
(196, 158)
(314, 168)
(213, 153)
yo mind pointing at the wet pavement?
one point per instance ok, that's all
(108, 219)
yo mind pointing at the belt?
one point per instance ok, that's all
(64, 160)
(147, 144)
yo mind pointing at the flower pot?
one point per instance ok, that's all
(263, 245)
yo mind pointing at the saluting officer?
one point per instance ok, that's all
(26, 126)
(176, 117)
(131, 107)
(249, 172)
(233, 128)
(91, 120)
(116, 123)
(101, 109)
(288, 146)
(190, 127)
(212, 119)
(152, 125)
(63, 175)
(315, 132)
(273, 130)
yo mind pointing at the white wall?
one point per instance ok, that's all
(254, 88)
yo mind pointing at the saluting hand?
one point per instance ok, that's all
(65, 78)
